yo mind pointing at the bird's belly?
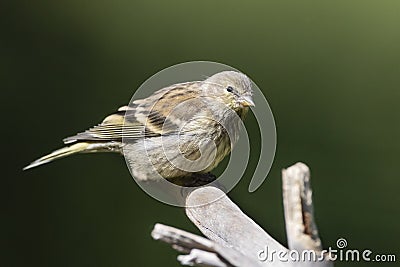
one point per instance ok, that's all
(176, 156)
(223, 149)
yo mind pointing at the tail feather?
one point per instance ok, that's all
(105, 137)
(60, 153)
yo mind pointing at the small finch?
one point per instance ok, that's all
(180, 130)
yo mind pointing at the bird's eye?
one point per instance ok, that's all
(229, 89)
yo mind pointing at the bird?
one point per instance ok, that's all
(179, 131)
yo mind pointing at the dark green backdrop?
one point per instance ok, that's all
(329, 69)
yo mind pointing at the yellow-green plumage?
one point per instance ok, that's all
(178, 120)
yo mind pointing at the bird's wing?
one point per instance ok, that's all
(167, 110)
(112, 128)
(153, 116)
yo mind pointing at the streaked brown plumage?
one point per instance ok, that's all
(165, 134)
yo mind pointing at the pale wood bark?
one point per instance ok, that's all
(234, 239)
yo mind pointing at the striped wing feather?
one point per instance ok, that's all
(153, 116)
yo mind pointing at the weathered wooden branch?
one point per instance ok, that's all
(203, 252)
(234, 239)
(301, 229)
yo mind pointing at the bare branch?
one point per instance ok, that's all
(224, 222)
(201, 258)
(186, 242)
(234, 238)
(301, 229)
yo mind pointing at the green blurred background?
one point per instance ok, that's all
(329, 69)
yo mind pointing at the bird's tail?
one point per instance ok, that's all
(60, 153)
(78, 147)
(105, 137)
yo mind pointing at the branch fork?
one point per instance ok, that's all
(234, 239)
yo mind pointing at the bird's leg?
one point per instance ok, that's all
(195, 179)
(199, 179)
(204, 177)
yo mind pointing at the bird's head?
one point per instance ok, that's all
(232, 88)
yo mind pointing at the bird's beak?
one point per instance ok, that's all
(246, 101)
